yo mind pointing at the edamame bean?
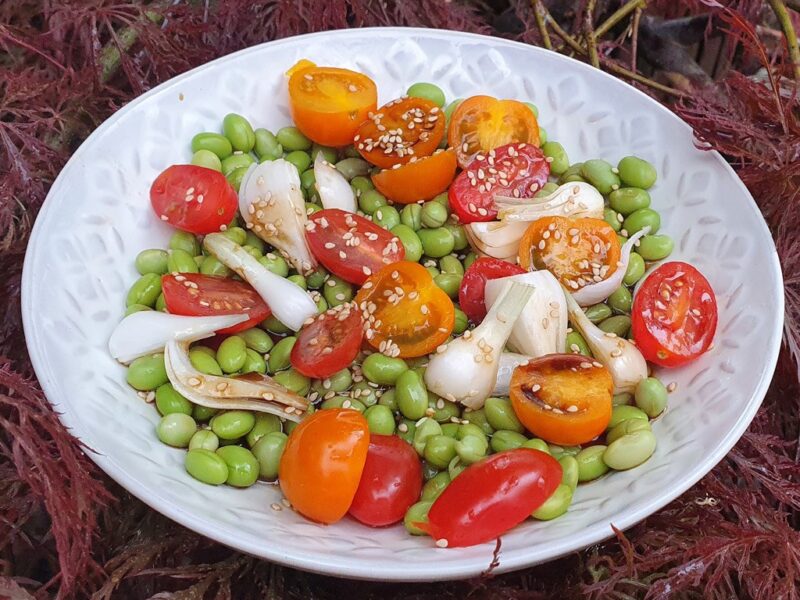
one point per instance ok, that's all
(626, 427)
(204, 362)
(411, 216)
(151, 261)
(435, 486)
(236, 234)
(291, 138)
(449, 283)
(569, 470)
(576, 344)
(623, 398)
(436, 243)
(161, 303)
(425, 429)
(337, 291)
(279, 356)
(630, 450)
(206, 466)
(624, 412)
(145, 290)
(455, 467)
(183, 240)
(637, 172)
(134, 308)
(242, 466)
(293, 381)
(635, 269)
(338, 382)
(537, 444)
(428, 91)
(560, 161)
(176, 429)
(572, 174)
(231, 354)
(211, 266)
(460, 241)
(207, 159)
(417, 513)
(235, 177)
(556, 505)
(628, 200)
(559, 451)
(264, 423)
(268, 450)
(478, 417)
(257, 339)
(383, 370)
(204, 438)
(203, 413)
(618, 324)
(450, 108)
(470, 258)
(547, 189)
(597, 313)
(299, 280)
(168, 401)
(361, 185)
(655, 247)
(542, 135)
(471, 448)
(410, 241)
(440, 409)
(500, 415)
(236, 161)
(316, 279)
(432, 271)
(612, 217)
(341, 401)
(267, 146)
(212, 142)
(206, 350)
(386, 216)
(433, 214)
(451, 265)
(639, 219)
(380, 420)
(180, 261)
(371, 200)
(350, 168)
(232, 424)
(272, 325)
(590, 463)
(275, 263)
(411, 395)
(388, 399)
(620, 300)
(440, 450)
(239, 131)
(307, 181)
(147, 372)
(461, 322)
(507, 440)
(328, 153)
(289, 426)
(600, 174)
(651, 396)
(406, 430)
(299, 159)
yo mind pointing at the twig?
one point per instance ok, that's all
(779, 8)
(111, 55)
(637, 16)
(588, 26)
(537, 12)
(619, 14)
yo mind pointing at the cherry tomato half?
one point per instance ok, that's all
(329, 104)
(351, 246)
(563, 398)
(472, 293)
(419, 179)
(193, 199)
(322, 463)
(516, 170)
(328, 344)
(577, 251)
(674, 315)
(390, 483)
(404, 311)
(197, 295)
(399, 131)
(491, 496)
(483, 123)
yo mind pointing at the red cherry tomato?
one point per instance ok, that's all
(471, 294)
(330, 343)
(193, 198)
(491, 496)
(517, 170)
(390, 483)
(674, 315)
(350, 246)
(197, 295)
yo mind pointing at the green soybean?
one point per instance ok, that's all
(435, 486)
(233, 424)
(450, 108)
(341, 401)
(460, 241)
(380, 420)
(440, 450)
(635, 269)
(338, 382)
(406, 430)
(461, 322)
(236, 235)
(624, 412)
(207, 159)
(371, 200)
(236, 161)
(630, 450)
(299, 280)
(386, 216)
(183, 240)
(145, 290)
(471, 448)
(134, 308)
(449, 283)
(542, 135)
(350, 168)
(388, 399)
(547, 189)
(204, 438)
(328, 153)
(618, 324)
(291, 138)
(212, 142)
(232, 354)
(168, 401)
(655, 247)
(204, 363)
(651, 396)
(443, 410)
(425, 430)
(151, 261)
(576, 344)
(628, 200)
(556, 505)
(623, 398)
(437, 242)
(469, 259)
(559, 162)
(626, 427)
(433, 214)
(361, 185)
(601, 175)
(293, 381)
(337, 291)
(180, 261)
(161, 303)
(416, 514)
(267, 146)
(507, 440)
(620, 300)
(279, 356)
(264, 423)
(242, 466)
(236, 177)
(590, 463)
(537, 444)
(428, 91)
(268, 450)
(639, 219)
(176, 429)
(478, 418)
(299, 159)
(211, 266)
(383, 370)
(257, 339)
(206, 466)
(569, 470)
(203, 413)
(365, 392)
(307, 181)
(559, 451)
(637, 172)
(239, 131)
(254, 363)
(451, 265)
(147, 372)
(455, 467)
(500, 415)
(573, 173)
(316, 279)
(411, 394)
(598, 312)
(410, 240)
(612, 217)
(411, 216)
(275, 263)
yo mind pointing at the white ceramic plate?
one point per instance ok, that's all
(97, 218)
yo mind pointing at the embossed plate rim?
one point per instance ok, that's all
(316, 559)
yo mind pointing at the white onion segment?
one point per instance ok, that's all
(496, 238)
(334, 190)
(575, 199)
(508, 362)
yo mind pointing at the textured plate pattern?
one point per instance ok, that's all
(97, 217)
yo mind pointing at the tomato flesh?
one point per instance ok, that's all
(518, 170)
(350, 246)
(563, 398)
(390, 483)
(197, 295)
(472, 293)
(322, 463)
(400, 131)
(492, 496)
(674, 315)
(328, 344)
(418, 180)
(193, 198)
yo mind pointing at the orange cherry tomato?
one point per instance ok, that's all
(577, 251)
(563, 398)
(322, 463)
(399, 131)
(418, 180)
(405, 313)
(483, 123)
(328, 104)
